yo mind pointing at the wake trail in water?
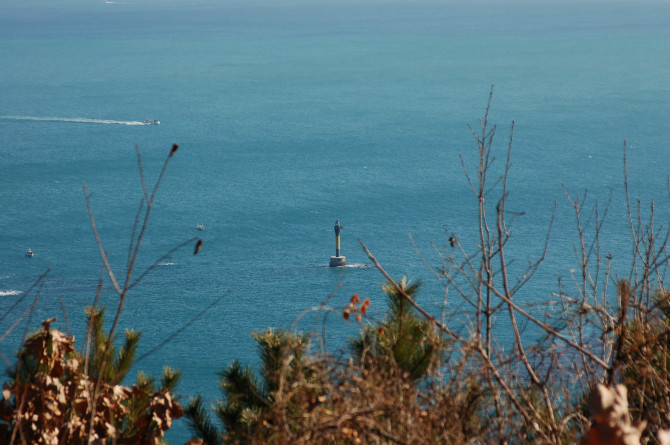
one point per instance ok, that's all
(74, 119)
(346, 266)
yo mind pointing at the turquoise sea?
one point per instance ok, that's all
(290, 116)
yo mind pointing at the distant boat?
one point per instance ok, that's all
(30, 253)
(200, 227)
(151, 122)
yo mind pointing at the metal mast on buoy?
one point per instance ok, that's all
(337, 260)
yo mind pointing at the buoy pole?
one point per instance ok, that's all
(337, 244)
(337, 260)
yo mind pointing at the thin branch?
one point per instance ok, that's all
(99, 241)
(38, 281)
(167, 255)
(141, 168)
(181, 329)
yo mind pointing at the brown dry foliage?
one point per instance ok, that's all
(54, 405)
(360, 405)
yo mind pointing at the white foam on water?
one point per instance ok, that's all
(74, 119)
(358, 266)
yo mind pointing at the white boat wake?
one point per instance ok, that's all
(346, 266)
(77, 119)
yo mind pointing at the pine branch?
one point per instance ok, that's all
(199, 422)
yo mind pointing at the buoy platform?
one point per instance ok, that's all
(338, 261)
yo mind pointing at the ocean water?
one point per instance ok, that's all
(289, 116)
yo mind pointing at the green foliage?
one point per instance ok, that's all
(246, 397)
(402, 339)
(119, 364)
(200, 423)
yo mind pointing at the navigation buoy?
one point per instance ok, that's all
(337, 260)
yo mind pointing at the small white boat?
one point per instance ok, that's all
(151, 122)
(200, 227)
(30, 253)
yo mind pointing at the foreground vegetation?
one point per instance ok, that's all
(598, 373)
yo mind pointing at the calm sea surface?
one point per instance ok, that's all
(289, 117)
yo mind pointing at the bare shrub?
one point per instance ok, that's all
(59, 395)
(595, 329)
